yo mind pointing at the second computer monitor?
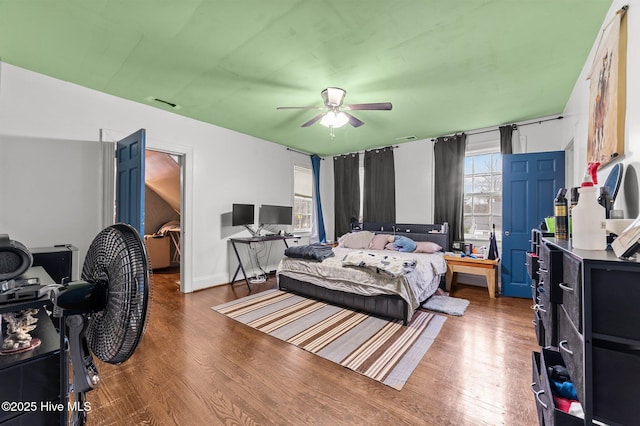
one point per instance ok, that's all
(275, 215)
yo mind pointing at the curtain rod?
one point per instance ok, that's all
(302, 152)
(371, 149)
(560, 117)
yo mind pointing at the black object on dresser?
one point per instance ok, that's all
(60, 261)
(588, 303)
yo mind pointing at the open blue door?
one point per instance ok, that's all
(530, 182)
(130, 153)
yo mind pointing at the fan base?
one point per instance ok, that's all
(35, 342)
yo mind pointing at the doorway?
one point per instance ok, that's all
(164, 201)
(184, 156)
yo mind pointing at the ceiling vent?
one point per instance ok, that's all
(154, 100)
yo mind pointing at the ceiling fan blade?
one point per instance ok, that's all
(381, 106)
(313, 120)
(301, 107)
(355, 122)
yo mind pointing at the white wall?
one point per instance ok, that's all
(52, 197)
(227, 167)
(577, 117)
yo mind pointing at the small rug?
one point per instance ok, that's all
(380, 349)
(446, 304)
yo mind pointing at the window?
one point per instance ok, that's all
(482, 195)
(302, 199)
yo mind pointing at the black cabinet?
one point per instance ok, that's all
(32, 382)
(589, 303)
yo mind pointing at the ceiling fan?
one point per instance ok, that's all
(334, 114)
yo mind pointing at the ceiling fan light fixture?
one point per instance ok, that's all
(333, 96)
(334, 119)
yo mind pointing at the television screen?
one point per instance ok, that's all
(242, 214)
(275, 215)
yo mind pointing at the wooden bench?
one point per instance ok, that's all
(469, 265)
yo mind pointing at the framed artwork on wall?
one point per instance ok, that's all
(607, 98)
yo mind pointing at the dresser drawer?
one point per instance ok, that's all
(539, 327)
(571, 287)
(534, 287)
(571, 347)
(541, 387)
(550, 272)
(532, 265)
(536, 387)
(543, 277)
(548, 314)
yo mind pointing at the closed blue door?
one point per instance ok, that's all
(130, 153)
(530, 183)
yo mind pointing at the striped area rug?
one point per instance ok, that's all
(383, 350)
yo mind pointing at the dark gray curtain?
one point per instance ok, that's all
(506, 145)
(449, 184)
(346, 178)
(379, 186)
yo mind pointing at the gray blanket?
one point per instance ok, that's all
(316, 251)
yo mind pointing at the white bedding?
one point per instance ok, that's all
(414, 287)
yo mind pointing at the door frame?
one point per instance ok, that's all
(109, 138)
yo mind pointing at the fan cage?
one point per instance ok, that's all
(117, 259)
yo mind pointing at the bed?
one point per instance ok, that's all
(368, 289)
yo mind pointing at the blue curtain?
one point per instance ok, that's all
(317, 205)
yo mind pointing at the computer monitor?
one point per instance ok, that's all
(243, 214)
(275, 215)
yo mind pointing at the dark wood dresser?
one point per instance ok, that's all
(587, 318)
(32, 384)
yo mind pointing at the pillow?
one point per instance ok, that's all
(379, 242)
(356, 240)
(427, 247)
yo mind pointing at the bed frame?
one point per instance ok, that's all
(433, 233)
(390, 306)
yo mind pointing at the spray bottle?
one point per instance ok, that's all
(561, 215)
(589, 225)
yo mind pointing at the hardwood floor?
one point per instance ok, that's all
(196, 366)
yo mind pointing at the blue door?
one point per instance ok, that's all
(530, 182)
(130, 153)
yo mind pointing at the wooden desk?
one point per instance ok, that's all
(468, 265)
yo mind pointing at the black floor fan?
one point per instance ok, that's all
(106, 311)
